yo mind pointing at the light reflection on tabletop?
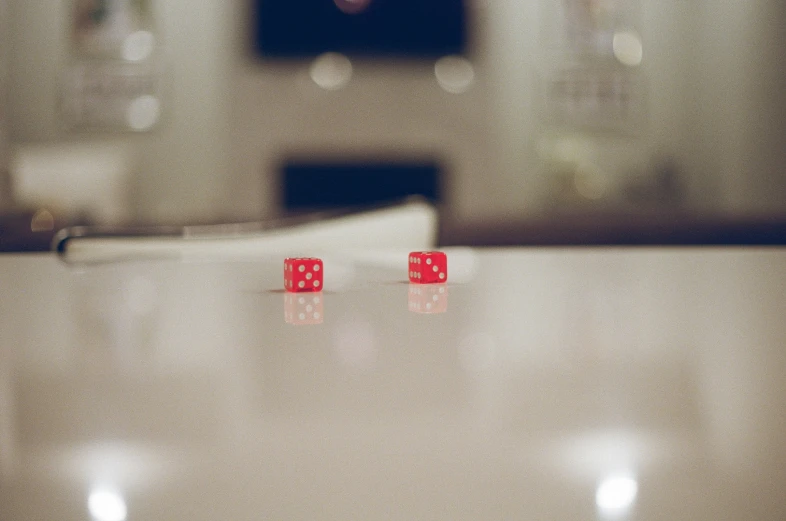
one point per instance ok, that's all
(615, 495)
(107, 505)
(559, 384)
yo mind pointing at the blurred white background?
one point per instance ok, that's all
(714, 97)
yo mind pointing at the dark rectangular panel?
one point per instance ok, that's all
(307, 185)
(395, 28)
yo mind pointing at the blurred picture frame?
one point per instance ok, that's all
(591, 77)
(100, 95)
(115, 78)
(586, 27)
(118, 29)
(598, 99)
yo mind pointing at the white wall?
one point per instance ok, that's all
(721, 83)
(739, 101)
(4, 54)
(715, 102)
(760, 183)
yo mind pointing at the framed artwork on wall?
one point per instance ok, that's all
(115, 78)
(587, 27)
(120, 29)
(591, 75)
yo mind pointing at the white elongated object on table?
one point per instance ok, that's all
(407, 226)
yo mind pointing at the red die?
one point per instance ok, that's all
(303, 309)
(428, 299)
(428, 267)
(303, 274)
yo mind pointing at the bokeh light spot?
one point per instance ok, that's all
(331, 71)
(455, 74)
(105, 505)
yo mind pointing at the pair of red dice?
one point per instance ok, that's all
(307, 273)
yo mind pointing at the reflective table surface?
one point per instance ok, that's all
(553, 384)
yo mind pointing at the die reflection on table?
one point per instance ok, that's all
(430, 299)
(301, 309)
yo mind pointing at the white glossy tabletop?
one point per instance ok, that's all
(546, 385)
